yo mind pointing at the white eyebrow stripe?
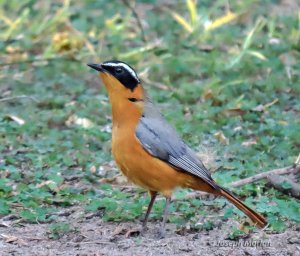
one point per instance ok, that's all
(129, 69)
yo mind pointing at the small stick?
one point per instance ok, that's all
(137, 19)
(55, 58)
(19, 97)
(157, 85)
(93, 242)
(276, 182)
(285, 170)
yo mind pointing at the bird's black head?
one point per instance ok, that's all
(120, 70)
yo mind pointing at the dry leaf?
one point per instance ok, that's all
(66, 41)
(9, 238)
(45, 183)
(261, 108)
(4, 173)
(234, 112)
(116, 180)
(245, 227)
(238, 128)
(119, 230)
(249, 143)
(13, 239)
(4, 224)
(221, 137)
(14, 118)
(208, 94)
(93, 169)
(84, 122)
(206, 47)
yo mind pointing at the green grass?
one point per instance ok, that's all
(240, 78)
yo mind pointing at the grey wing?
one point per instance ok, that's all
(160, 140)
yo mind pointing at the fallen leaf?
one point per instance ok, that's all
(66, 41)
(238, 128)
(234, 112)
(13, 239)
(45, 183)
(119, 230)
(116, 180)
(14, 118)
(261, 108)
(4, 173)
(221, 137)
(4, 224)
(206, 47)
(208, 94)
(84, 122)
(258, 108)
(93, 169)
(249, 143)
(9, 238)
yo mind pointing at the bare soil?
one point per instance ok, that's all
(90, 235)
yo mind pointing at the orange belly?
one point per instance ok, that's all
(149, 172)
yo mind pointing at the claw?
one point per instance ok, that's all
(161, 234)
(135, 232)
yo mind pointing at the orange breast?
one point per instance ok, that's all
(141, 168)
(147, 171)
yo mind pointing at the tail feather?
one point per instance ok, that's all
(257, 219)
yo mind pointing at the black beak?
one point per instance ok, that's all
(97, 67)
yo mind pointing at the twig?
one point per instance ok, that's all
(19, 97)
(33, 238)
(92, 242)
(125, 2)
(195, 195)
(263, 175)
(157, 85)
(37, 60)
(277, 180)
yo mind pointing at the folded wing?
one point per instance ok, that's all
(160, 140)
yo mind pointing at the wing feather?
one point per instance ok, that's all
(160, 139)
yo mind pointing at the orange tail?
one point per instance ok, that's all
(258, 219)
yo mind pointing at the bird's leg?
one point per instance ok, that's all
(140, 231)
(153, 195)
(162, 230)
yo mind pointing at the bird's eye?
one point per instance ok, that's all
(119, 70)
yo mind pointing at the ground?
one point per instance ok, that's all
(92, 236)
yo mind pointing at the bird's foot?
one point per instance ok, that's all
(161, 233)
(138, 231)
(128, 232)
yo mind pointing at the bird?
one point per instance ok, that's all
(148, 150)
